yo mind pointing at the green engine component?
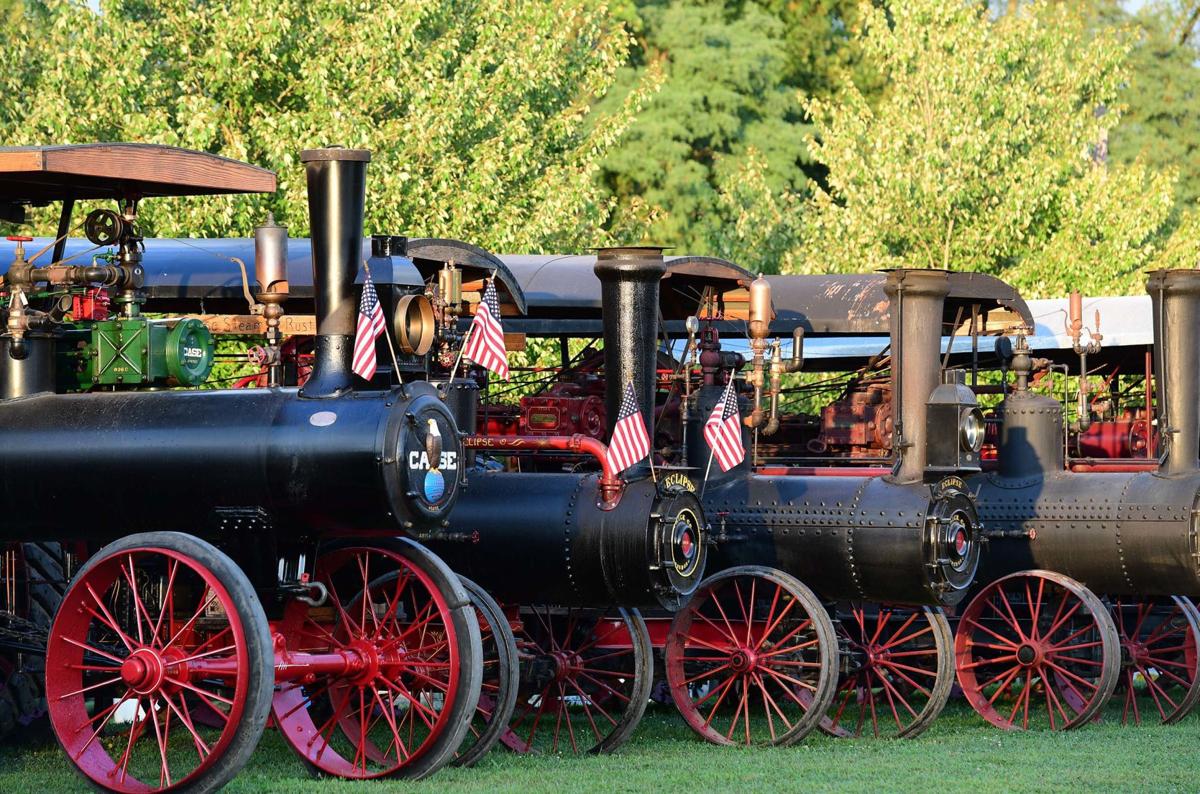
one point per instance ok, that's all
(136, 351)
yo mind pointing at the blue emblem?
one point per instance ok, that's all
(434, 486)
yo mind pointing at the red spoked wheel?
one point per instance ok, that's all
(751, 659)
(154, 630)
(585, 680)
(897, 671)
(498, 692)
(1160, 666)
(1037, 649)
(382, 678)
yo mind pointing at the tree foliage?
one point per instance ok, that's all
(983, 154)
(731, 106)
(1161, 125)
(480, 114)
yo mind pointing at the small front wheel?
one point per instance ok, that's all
(751, 659)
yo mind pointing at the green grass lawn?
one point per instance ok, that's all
(959, 753)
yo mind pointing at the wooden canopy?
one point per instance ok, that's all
(39, 174)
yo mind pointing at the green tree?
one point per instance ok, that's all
(984, 153)
(736, 71)
(480, 114)
(1161, 125)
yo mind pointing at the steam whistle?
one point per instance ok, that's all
(762, 312)
(270, 273)
(1075, 328)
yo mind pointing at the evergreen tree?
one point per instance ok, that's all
(730, 107)
(1161, 124)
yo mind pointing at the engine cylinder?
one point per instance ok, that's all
(541, 538)
(1031, 435)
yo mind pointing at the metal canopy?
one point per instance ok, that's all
(38, 174)
(857, 304)
(185, 270)
(564, 297)
(563, 293)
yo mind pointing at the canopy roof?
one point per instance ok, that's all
(563, 292)
(857, 304)
(564, 297)
(181, 273)
(38, 174)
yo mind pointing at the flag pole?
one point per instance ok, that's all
(461, 349)
(707, 471)
(386, 336)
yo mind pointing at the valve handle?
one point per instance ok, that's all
(19, 238)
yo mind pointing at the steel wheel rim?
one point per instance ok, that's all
(1159, 659)
(489, 690)
(770, 655)
(1036, 643)
(586, 683)
(377, 723)
(498, 684)
(162, 670)
(896, 682)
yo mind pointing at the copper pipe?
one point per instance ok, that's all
(611, 485)
(1114, 465)
(823, 471)
(1149, 384)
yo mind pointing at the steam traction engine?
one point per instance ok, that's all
(569, 554)
(260, 555)
(566, 544)
(754, 656)
(1092, 562)
(1090, 558)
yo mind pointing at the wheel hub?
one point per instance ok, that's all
(743, 660)
(566, 664)
(1136, 652)
(368, 664)
(1029, 654)
(143, 671)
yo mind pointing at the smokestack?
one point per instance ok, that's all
(1175, 296)
(917, 299)
(337, 182)
(629, 279)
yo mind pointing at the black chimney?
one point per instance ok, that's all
(337, 182)
(629, 279)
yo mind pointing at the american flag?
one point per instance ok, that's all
(370, 326)
(723, 430)
(485, 346)
(630, 443)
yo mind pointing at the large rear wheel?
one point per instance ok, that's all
(498, 692)
(586, 676)
(404, 621)
(159, 667)
(1160, 666)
